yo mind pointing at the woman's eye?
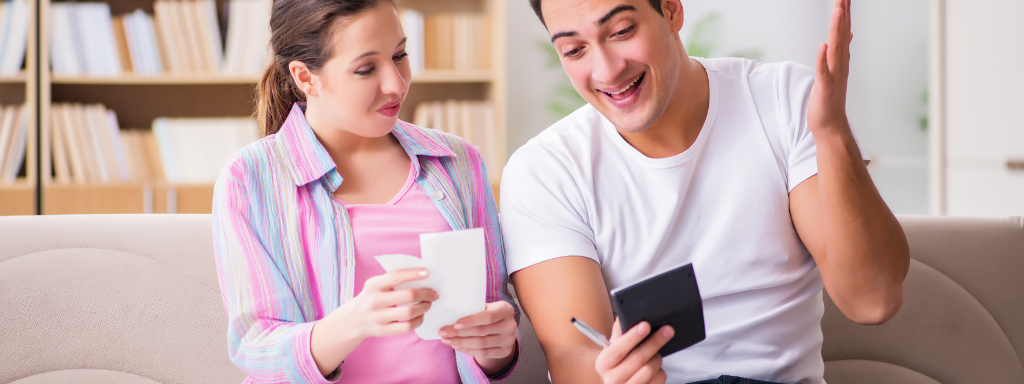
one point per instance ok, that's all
(624, 32)
(573, 52)
(399, 57)
(365, 71)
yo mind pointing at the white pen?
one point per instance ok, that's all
(591, 333)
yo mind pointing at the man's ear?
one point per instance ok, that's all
(304, 78)
(673, 12)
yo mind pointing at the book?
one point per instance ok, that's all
(19, 141)
(194, 150)
(471, 120)
(122, 43)
(166, 26)
(451, 41)
(64, 57)
(412, 23)
(61, 166)
(7, 116)
(14, 38)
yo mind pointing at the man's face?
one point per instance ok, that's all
(621, 56)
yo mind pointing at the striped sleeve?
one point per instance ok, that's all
(267, 335)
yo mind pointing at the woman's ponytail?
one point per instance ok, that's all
(300, 30)
(275, 95)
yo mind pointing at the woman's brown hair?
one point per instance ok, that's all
(300, 30)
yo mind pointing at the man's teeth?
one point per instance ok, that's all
(626, 87)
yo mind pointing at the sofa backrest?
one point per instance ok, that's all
(135, 299)
(111, 299)
(962, 319)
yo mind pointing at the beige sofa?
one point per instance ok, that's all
(134, 299)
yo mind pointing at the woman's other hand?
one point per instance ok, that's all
(379, 310)
(488, 336)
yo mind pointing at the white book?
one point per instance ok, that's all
(116, 143)
(421, 117)
(63, 58)
(97, 34)
(211, 31)
(161, 131)
(131, 36)
(16, 152)
(13, 53)
(167, 37)
(412, 22)
(235, 40)
(150, 47)
(257, 53)
(194, 42)
(7, 115)
(5, 21)
(95, 130)
(59, 152)
(199, 148)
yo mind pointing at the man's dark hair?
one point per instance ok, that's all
(656, 4)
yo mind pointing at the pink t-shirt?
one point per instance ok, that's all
(381, 229)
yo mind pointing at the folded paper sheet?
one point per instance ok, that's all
(458, 273)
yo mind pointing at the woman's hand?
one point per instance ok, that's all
(488, 336)
(379, 310)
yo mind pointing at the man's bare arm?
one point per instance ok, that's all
(858, 244)
(552, 293)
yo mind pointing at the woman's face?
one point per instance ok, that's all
(362, 86)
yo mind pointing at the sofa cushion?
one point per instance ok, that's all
(135, 294)
(872, 372)
(86, 376)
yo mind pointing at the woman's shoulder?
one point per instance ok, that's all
(251, 161)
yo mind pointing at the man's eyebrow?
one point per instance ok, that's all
(602, 20)
(562, 34)
(608, 16)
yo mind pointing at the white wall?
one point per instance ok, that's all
(888, 74)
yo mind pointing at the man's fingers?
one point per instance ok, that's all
(647, 372)
(834, 40)
(647, 351)
(621, 346)
(616, 330)
(822, 68)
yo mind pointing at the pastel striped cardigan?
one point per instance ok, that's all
(284, 247)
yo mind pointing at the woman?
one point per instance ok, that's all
(300, 214)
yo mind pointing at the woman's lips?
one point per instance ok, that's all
(390, 109)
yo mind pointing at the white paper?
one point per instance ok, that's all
(458, 273)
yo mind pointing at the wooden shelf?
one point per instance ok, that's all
(18, 198)
(59, 199)
(480, 76)
(21, 77)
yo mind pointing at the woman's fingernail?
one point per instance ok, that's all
(437, 297)
(442, 333)
(455, 347)
(459, 326)
(423, 273)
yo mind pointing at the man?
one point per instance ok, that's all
(749, 171)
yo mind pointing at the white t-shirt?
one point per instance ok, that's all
(579, 189)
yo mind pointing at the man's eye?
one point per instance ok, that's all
(367, 71)
(624, 32)
(573, 52)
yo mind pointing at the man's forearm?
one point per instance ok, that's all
(574, 366)
(866, 251)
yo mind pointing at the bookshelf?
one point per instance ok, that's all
(19, 198)
(139, 99)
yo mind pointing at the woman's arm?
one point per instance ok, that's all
(268, 336)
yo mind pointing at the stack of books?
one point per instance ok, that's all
(471, 120)
(88, 146)
(182, 37)
(13, 35)
(448, 41)
(13, 140)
